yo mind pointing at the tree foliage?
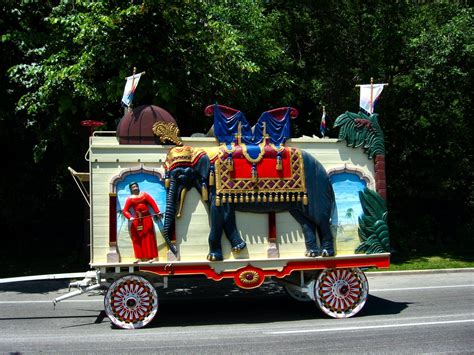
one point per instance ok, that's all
(65, 61)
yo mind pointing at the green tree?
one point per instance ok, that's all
(429, 137)
(65, 61)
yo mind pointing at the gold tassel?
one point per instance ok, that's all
(277, 198)
(298, 197)
(224, 199)
(252, 198)
(205, 195)
(264, 199)
(211, 178)
(218, 200)
(270, 198)
(279, 164)
(254, 175)
(287, 198)
(167, 183)
(259, 198)
(292, 197)
(305, 199)
(247, 199)
(236, 200)
(241, 199)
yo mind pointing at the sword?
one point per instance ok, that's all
(161, 227)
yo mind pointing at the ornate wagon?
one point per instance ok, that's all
(249, 203)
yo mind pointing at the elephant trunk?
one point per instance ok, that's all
(170, 215)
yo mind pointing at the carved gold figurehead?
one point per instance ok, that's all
(167, 131)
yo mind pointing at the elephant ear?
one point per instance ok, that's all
(202, 165)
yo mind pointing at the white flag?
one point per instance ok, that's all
(368, 95)
(129, 90)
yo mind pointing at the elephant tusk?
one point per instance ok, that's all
(181, 202)
(204, 192)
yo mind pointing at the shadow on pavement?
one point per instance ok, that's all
(40, 286)
(376, 306)
(198, 301)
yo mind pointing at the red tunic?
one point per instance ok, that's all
(142, 230)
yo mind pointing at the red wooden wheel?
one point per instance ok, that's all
(131, 302)
(341, 293)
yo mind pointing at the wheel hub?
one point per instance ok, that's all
(131, 302)
(341, 289)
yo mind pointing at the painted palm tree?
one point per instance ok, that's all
(350, 214)
(360, 130)
(373, 227)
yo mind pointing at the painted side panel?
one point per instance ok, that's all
(108, 160)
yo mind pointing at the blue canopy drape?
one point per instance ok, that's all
(225, 128)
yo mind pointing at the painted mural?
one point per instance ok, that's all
(346, 187)
(127, 234)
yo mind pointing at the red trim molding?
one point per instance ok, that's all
(252, 277)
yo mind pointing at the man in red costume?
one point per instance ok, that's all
(142, 230)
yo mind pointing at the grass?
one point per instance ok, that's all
(428, 262)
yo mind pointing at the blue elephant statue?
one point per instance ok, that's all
(188, 167)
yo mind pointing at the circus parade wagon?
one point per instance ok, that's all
(243, 203)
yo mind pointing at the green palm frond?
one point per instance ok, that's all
(372, 204)
(358, 129)
(373, 229)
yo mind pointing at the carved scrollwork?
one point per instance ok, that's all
(167, 131)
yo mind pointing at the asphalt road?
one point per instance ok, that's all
(415, 313)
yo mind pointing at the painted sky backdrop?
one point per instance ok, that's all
(346, 188)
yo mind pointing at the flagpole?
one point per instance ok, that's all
(324, 114)
(323, 133)
(371, 94)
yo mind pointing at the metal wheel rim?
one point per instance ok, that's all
(131, 302)
(296, 294)
(341, 293)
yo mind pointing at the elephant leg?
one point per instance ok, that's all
(327, 240)
(231, 232)
(215, 235)
(309, 228)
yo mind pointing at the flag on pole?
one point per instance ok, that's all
(129, 90)
(368, 96)
(322, 126)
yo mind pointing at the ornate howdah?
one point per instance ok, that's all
(259, 173)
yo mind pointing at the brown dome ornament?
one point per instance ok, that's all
(148, 124)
